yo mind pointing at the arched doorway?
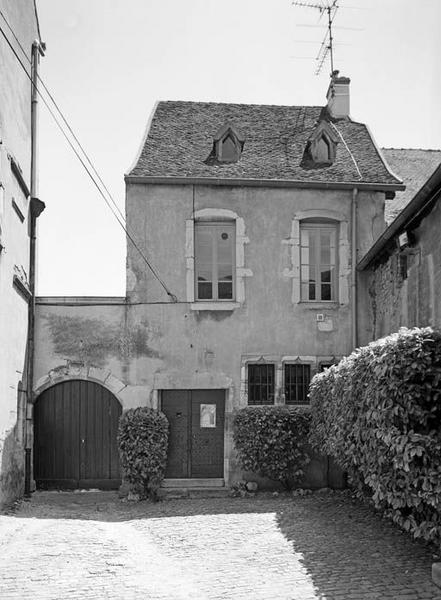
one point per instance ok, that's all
(75, 429)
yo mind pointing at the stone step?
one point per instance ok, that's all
(193, 483)
(169, 493)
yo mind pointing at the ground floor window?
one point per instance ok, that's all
(297, 378)
(273, 379)
(261, 384)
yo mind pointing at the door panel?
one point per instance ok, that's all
(75, 429)
(175, 406)
(195, 449)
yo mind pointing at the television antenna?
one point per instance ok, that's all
(327, 45)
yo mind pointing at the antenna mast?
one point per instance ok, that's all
(327, 46)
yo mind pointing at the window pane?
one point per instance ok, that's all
(205, 290)
(229, 151)
(325, 247)
(204, 244)
(326, 291)
(325, 275)
(225, 290)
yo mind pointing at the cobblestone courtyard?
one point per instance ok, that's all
(91, 545)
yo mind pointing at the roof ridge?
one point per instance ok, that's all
(413, 149)
(211, 103)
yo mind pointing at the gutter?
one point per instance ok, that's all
(36, 208)
(283, 183)
(353, 268)
(429, 192)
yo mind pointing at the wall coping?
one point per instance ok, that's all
(81, 300)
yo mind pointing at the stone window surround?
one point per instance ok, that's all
(342, 291)
(216, 214)
(279, 363)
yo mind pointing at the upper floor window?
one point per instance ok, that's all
(321, 147)
(318, 261)
(214, 245)
(228, 144)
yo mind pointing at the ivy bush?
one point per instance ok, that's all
(272, 441)
(378, 413)
(143, 442)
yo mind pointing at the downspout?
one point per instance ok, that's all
(354, 268)
(35, 209)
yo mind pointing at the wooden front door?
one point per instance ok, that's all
(196, 439)
(75, 429)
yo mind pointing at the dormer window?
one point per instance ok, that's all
(323, 150)
(321, 147)
(227, 146)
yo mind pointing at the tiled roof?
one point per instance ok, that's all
(181, 134)
(414, 167)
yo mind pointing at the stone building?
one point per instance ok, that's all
(401, 273)
(17, 216)
(248, 222)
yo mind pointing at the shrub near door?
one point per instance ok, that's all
(143, 441)
(272, 441)
(378, 413)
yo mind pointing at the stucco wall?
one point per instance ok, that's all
(15, 111)
(405, 287)
(149, 343)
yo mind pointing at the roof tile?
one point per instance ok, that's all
(181, 138)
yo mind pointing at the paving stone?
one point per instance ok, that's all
(320, 547)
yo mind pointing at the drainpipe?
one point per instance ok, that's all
(36, 208)
(354, 269)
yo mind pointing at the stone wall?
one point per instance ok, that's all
(404, 285)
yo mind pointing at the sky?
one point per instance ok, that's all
(108, 61)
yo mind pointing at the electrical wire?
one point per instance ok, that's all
(115, 209)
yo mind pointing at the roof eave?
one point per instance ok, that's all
(422, 198)
(294, 183)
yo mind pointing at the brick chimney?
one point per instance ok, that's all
(338, 96)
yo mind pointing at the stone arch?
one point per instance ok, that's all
(77, 370)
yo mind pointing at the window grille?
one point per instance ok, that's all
(297, 378)
(261, 384)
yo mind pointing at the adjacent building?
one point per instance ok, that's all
(17, 213)
(246, 223)
(401, 272)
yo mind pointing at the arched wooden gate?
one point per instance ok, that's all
(75, 429)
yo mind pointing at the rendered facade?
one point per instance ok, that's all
(15, 241)
(255, 218)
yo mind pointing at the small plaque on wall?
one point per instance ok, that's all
(208, 415)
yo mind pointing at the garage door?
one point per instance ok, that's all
(75, 429)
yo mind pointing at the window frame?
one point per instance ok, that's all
(319, 226)
(241, 272)
(252, 365)
(304, 366)
(343, 243)
(214, 226)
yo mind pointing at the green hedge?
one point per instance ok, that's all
(272, 441)
(143, 441)
(378, 413)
